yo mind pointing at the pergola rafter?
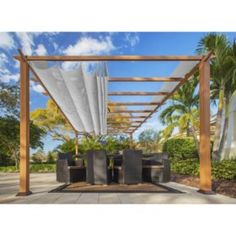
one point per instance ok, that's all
(202, 64)
(145, 79)
(138, 93)
(113, 104)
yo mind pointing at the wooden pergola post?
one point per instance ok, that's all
(205, 152)
(24, 188)
(76, 144)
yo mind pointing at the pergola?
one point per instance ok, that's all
(202, 64)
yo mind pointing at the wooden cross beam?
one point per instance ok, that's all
(124, 117)
(130, 111)
(137, 93)
(133, 103)
(145, 79)
(112, 58)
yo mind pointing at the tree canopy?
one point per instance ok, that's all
(52, 121)
(10, 136)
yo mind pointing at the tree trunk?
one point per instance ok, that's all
(225, 129)
(188, 131)
(219, 116)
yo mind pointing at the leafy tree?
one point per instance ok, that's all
(51, 157)
(9, 99)
(52, 121)
(10, 137)
(182, 112)
(39, 156)
(149, 140)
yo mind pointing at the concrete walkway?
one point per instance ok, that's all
(41, 184)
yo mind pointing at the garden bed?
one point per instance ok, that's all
(225, 187)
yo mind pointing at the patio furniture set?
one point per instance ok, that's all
(130, 167)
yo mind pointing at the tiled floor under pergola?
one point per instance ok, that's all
(41, 184)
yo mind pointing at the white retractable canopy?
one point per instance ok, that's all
(80, 94)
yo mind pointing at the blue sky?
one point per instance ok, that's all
(100, 44)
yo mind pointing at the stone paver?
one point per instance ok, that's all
(88, 198)
(41, 184)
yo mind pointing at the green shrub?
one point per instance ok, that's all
(185, 167)
(42, 168)
(181, 148)
(223, 170)
(8, 169)
(34, 168)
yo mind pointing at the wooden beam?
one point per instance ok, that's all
(125, 117)
(123, 122)
(112, 58)
(116, 133)
(144, 79)
(130, 111)
(137, 93)
(123, 126)
(133, 103)
(118, 130)
(205, 146)
(76, 144)
(24, 188)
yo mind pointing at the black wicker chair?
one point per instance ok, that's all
(130, 170)
(67, 171)
(156, 168)
(97, 171)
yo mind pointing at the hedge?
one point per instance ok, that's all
(223, 170)
(181, 148)
(34, 168)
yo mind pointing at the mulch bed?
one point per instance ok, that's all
(225, 187)
(83, 187)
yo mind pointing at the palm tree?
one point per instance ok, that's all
(230, 87)
(183, 112)
(221, 82)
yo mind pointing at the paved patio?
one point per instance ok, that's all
(41, 184)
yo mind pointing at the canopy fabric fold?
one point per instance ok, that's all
(80, 94)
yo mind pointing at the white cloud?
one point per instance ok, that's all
(38, 88)
(55, 45)
(6, 76)
(17, 64)
(6, 41)
(44, 33)
(89, 45)
(26, 41)
(4, 71)
(41, 50)
(132, 39)
(3, 59)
